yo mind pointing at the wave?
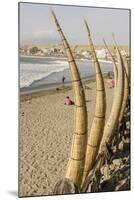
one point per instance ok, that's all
(30, 72)
(105, 61)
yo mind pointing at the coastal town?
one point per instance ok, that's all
(79, 51)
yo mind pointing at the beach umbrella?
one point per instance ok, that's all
(97, 126)
(76, 161)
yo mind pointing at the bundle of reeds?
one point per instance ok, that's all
(87, 152)
(77, 157)
(112, 121)
(115, 70)
(97, 126)
(126, 88)
(126, 83)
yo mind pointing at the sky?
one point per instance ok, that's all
(36, 25)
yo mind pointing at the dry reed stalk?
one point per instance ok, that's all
(126, 83)
(128, 69)
(116, 106)
(126, 62)
(115, 70)
(126, 88)
(77, 158)
(97, 126)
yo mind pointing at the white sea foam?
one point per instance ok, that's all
(105, 61)
(32, 69)
(30, 72)
(100, 60)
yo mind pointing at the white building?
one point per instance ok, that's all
(85, 54)
(102, 53)
(46, 51)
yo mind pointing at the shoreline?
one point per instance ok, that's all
(63, 58)
(41, 92)
(50, 88)
(42, 83)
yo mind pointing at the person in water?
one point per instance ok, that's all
(68, 101)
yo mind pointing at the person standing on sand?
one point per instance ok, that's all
(63, 80)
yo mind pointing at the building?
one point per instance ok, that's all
(102, 53)
(85, 54)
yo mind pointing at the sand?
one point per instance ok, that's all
(46, 128)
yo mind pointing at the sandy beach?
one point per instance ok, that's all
(46, 128)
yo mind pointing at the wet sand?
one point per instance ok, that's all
(46, 128)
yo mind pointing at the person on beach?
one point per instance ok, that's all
(63, 80)
(109, 74)
(110, 82)
(68, 101)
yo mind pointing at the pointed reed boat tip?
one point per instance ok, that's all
(51, 10)
(104, 40)
(84, 20)
(53, 13)
(115, 43)
(107, 46)
(87, 27)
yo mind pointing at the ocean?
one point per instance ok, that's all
(47, 72)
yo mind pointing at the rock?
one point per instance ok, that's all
(123, 185)
(65, 186)
(125, 171)
(126, 147)
(101, 170)
(107, 186)
(128, 125)
(125, 159)
(127, 140)
(105, 172)
(112, 167)
(117, 162)
(120, 146)
(114, 149)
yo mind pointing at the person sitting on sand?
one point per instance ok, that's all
(110, 82)
(68, 101)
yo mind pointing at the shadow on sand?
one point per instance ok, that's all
(13, 193)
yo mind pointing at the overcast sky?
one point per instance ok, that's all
(38, 27)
